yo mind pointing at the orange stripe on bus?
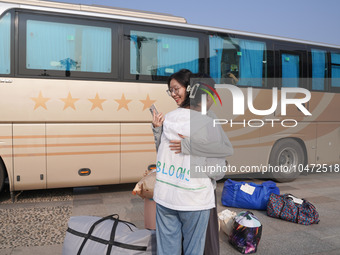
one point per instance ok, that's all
(133, 151)
(73, 144)
(74, 153)
(72, 136)
(253, 145)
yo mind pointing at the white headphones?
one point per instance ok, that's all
(193, 90)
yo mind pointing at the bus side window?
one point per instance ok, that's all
(224, 62)
(5, 40)
(238, 61)
(157, 54)
(319, 69)
(291, 69)
(335, 70)
(68, 47)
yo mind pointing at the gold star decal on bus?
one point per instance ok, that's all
(69, 101)
(123, 102)
(97, 102)
(40, 101)
(147, 102)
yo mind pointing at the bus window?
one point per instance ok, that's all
(5, 47)
(319, 69)
(68, 47)
(290, 70)
(238, 61)
(157, 54)
(335, 69)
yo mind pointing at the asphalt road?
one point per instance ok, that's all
(37, 221)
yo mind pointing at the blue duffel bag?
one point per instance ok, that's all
(247, 194)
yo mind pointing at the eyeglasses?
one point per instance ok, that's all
(173, 90)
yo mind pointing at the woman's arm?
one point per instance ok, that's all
(157, 127)
(157, 134)
(214, 148)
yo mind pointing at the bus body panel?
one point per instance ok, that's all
(29, 156)
(61, 110)
(137, 150)
(57, 100)
(324, 107)
(72, 147)
(6, 147)
(328, 140)
(250, 131)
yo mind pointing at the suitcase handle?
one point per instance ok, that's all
(115, 217)
(112, 236)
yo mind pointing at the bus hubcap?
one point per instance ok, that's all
(288, 158)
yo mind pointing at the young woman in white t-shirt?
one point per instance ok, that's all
(186, 139)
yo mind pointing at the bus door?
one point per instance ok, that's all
(325, 102)
(291, 68)
(291, 71)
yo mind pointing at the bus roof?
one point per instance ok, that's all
(134, 15)
(98, 9)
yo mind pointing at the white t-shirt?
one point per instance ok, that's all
(174, 187)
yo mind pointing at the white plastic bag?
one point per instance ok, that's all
(226, 219)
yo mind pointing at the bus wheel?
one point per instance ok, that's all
(2, 176)
(286, 158)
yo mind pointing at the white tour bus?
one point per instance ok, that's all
(77, 81)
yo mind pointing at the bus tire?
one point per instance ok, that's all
(286, 158)
(2, 175)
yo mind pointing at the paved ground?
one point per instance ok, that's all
(36, 223)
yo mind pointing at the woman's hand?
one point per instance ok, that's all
(234, 80)
(157, 120)
(175, 145)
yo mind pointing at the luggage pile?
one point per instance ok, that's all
(88, 235)
(244, 229)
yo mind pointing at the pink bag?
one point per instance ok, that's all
(149, 214)
(144, 188)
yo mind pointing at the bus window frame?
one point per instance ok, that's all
(153, 28)
(294, 49)
(310, 68)
(331, 88)
(270, 57)
(24, 15)
(12, 46)
(211, 33)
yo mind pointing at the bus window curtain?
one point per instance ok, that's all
(215, 49)
(175, 53)
(5, 44)
(133, 53)
(251, 63)
(335, 58)
(96, 50)
(290, 70)
(318, 69)
(49, 44)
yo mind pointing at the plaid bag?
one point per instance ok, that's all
(290, 208)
